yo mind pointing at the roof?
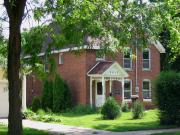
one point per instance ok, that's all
(100, 67)
(107, 69)
(159, 46)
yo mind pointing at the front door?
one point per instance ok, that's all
(100, 97)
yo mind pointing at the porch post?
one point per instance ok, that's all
(91, 91)
(110, 86)
(103, 88)
(24, 93)
(122, 82)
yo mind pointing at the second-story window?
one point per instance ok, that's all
(127, 60)
(61, 58)
(146, 59)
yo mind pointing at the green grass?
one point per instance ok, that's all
(27, 131)
(123, 123)
(170, 133)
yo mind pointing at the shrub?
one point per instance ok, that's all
(125, 107)
(167, 95)
(36, 104)
(83, 109)
(28, 114)
(137, 109)
(40, 112)
(110, 109)
(61, 95)
(47, 95)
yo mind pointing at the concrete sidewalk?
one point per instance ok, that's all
(57, 129)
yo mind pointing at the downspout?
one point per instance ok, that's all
(137, 87)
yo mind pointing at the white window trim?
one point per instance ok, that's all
(130, 60)
(128, 80)
(147, 80)
(147, 69)
(60, 61)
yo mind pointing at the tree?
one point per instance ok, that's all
(15, 11)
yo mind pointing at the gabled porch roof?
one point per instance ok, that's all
(107, 69)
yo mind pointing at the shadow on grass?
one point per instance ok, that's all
(131, 126)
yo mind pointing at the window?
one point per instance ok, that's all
(146, 59)
(127, 89)
(127, 60)
(99, 55)
(99, 88)
(61, 59)
(146, 89)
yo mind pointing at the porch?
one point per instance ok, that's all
(102, 76)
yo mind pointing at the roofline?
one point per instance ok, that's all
(158, 46)
(67, 50)
(156, 43)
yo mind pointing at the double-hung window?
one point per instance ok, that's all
(146, 59)
(146, 89)
(127, 60)
(127, 89)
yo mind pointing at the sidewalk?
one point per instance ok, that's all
(57, 129)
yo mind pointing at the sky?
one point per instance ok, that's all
(27, 22)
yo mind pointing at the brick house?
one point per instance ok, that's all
(92, 78)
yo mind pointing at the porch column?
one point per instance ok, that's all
(122, 81)
(110, 85)
(103, 89)
(24, 93)
(91, 91)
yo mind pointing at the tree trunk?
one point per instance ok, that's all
(15, 10)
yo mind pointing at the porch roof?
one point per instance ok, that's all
(107, 69)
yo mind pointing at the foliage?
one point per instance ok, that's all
(167, 93)
(82, 109)
(36, 103)
(111, 109)
(137, 110)
(28, 114)
(47, 95)
(125, 107)
(61, 95)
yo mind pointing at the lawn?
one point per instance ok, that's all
(123, 123)
(27, 131)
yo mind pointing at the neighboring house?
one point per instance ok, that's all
(92, 78)
(4, 100)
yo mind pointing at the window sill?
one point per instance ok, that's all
(147, 100)
(128, 69)
(144, 69)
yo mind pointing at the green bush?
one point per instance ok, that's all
(137, 109)
(125, 107)
(28, 114)
(47, 95)
(167, 96)
(36, 104)
(110, 109)
(83, 109)
(61, 95)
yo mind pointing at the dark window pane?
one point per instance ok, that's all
(146, 85)
(99, 88)
(127, 63)
(145, 54)
(127, 86)
(146, 64)
(127, 95)
(146, 95)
